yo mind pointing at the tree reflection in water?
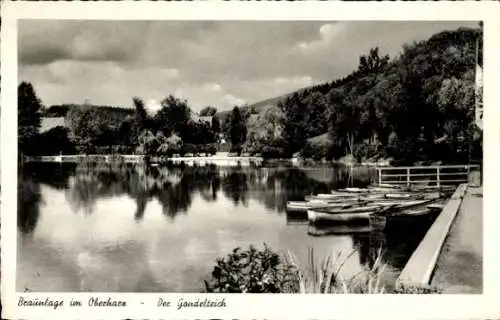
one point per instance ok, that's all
(28, 199)
(235, 186)
(28, 190)
(173, 186)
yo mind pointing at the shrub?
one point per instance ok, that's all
(251, 271)
(316, 152)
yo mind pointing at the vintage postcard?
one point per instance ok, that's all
(197, 160)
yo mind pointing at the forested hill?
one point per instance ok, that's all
(417, 106)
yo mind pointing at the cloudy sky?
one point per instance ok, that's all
(209, 63)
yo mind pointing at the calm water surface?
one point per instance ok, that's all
(159, 229)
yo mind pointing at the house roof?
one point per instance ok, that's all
(48, 123)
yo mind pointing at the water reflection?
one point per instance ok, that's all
(172, 186)
(184, 218)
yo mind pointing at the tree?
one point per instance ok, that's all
(315, 119)
(96, 129)
(294, 131)
(208, 111)
(141, 116)
(456, 103)
(372, 62)
(128, 133)
(29, 118)
(265, 134)
(216, 128)
(170, 145)
(148, 143)
(237, 129)
(173, 117)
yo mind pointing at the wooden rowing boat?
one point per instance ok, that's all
(351, 197)
(392, 186)
(355, 209)
(316, 216)
(436, 206)
(341, 215)
(354, 190)
(396, 214)
(403, 196)
(336, 195)
(357, 213)
(384, 190)
(305, 205)
(407, 219)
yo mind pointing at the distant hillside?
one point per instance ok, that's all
(261, 106)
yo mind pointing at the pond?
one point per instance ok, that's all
(137, 228)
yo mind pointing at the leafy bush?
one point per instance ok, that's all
(363, 151)
(316, 152)
(251, 271)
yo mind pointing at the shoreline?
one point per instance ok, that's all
(210, 159)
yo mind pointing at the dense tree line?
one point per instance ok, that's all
(90, 129)
(417, 107)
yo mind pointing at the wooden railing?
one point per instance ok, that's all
(428, 175)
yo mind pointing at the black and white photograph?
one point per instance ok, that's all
(244, 157)
(176, 164)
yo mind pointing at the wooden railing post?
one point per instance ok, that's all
(467, 178)
(438, 180)
(408, 177)
(379, 176)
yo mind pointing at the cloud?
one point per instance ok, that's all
(43, 42)
(232, 100)
(107, 83)
(212, 87)
(327, 34)
(260, 89)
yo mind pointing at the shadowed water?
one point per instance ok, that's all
(97, 227)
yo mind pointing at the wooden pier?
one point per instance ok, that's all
(438, 260)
